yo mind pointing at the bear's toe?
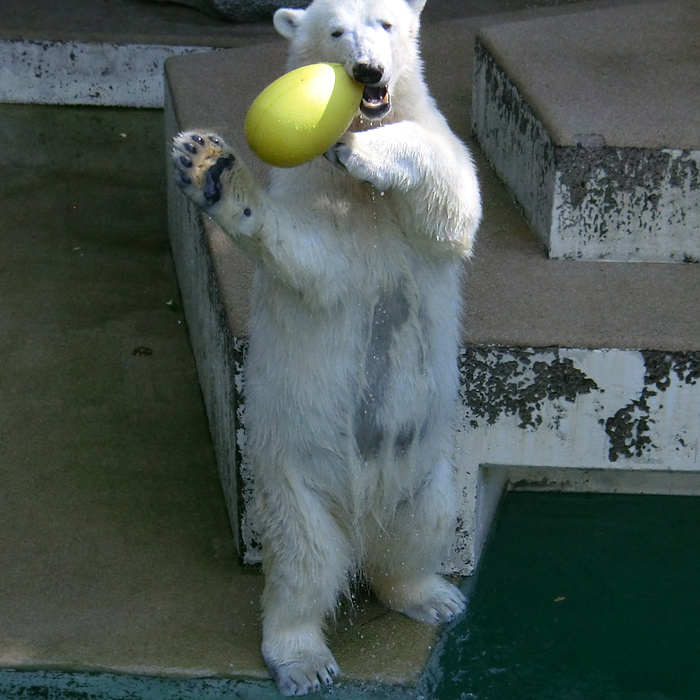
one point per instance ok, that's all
(439, 606)
(304, 676)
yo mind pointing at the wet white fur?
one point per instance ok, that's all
(351, 379)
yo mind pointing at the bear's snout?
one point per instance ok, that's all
(367, 74)
(375, 98)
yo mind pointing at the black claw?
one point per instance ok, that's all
(186, 161)
(189, 147)
(214, 140)
(197, 139)
(184, 179)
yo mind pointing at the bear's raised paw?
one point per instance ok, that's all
(201, 161)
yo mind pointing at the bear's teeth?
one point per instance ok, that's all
(375, 101)
(375, 95)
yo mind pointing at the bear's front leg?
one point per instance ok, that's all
(212, 175)
(430, 172)
(357, 154)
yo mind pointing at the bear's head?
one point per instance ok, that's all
(375, 40)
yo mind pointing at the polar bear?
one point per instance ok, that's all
(351, 378)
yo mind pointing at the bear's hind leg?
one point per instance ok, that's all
(306, 560)
(402, 559)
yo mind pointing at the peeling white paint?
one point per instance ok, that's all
(636, 431)
(515, 142)
(626, 207)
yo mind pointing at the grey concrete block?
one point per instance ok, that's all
(238, 10)
(81, 73)
(592, 122)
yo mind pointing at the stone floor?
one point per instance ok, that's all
(115, 549)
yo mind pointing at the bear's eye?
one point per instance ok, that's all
(387, 26)
(337, 33)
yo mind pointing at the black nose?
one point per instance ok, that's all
(367, 74)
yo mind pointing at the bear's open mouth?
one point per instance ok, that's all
(375, 101)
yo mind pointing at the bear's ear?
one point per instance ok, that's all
(416, 5)
(287, 21)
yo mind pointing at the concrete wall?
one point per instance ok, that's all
(612, 421)
(80, 73)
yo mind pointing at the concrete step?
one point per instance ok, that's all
(558, 389)
(593, 122)
(106, 54)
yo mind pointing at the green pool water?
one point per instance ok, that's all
(581, 597)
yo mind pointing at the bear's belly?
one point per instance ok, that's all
(393, 378)
(372, 363)
(363, 391)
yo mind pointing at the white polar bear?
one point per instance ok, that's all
(351, 379)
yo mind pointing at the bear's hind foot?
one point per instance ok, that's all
(201, 160)
(301, 671)
(434, 600)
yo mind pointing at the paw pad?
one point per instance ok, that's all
(212, 183)
(200, 162)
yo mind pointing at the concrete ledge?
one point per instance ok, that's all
(591, 120)
(108, 54)
(76, 73)
(57, 685)
(553, 378)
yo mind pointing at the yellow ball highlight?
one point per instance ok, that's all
(302, 114)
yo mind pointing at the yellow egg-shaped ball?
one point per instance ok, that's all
(302, 114)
